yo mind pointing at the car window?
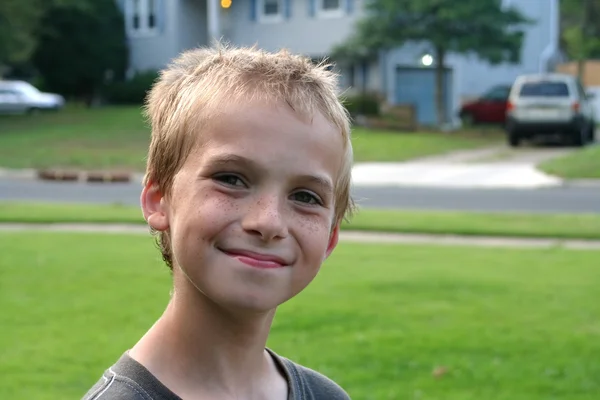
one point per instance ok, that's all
(498, 93)
(26, 88)
(544, 89)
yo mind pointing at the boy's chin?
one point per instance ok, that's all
(249, 305)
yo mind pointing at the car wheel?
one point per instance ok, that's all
(580, 136)
(592, 132)
(513, 139)
(467, 119)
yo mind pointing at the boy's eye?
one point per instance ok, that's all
(306, 197)
(230, 180)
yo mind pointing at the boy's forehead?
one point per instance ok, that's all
(242, 115)
(263, 132)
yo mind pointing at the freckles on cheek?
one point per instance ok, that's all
(315, 230)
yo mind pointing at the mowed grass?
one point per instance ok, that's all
(578, 226)
(117, 138)
(77, 137)
(582, 164)
(379, 319)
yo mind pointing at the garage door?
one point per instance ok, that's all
(417, 86)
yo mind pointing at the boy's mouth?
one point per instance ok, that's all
(256, 260)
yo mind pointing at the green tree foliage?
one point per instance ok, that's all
(80, 48)
(480, 27)
(19, 27)
(18, 19)
(580, 30)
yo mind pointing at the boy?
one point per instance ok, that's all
(247, 181)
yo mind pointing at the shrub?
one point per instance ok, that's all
(132, 91)
(362, 104)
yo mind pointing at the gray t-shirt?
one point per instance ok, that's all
(130, 380)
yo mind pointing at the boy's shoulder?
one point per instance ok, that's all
(129, 380)
(308, 384)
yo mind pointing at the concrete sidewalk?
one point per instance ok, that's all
(345, 236)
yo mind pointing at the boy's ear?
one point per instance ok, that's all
(334, 237)
(154, 207)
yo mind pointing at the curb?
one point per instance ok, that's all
(582, 183)
(84, 176)
(70, 175)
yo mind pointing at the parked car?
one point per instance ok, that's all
(490, 108)
(550, 104)
(22, 97)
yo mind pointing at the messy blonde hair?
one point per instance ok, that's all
(197, 83)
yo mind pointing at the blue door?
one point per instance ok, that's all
(417, 86)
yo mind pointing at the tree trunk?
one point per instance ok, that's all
(583, 55)
(581, 69)
(440, 87)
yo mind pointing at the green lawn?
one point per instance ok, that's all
(392, 146)
(582, 164)
(583, 226)
(117, 138)
(112, 137)
(509, 325)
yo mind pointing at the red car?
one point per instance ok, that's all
(490, 108)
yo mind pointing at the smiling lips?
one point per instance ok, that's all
(257, 260)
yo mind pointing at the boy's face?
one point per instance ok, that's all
(251, 211)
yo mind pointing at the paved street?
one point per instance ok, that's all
(553, 199)
(491, 179)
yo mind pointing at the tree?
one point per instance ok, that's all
(580, 31)
(79, 48)
(480, 27)
(19, 27)
(18, 19)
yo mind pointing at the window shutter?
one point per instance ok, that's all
(312, 7)
(350, 6)
(252, 10)
(287, 9)
(161, 14)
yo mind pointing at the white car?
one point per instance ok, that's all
(17, 97)
(550, 104)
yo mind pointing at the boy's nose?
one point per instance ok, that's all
(265, 218)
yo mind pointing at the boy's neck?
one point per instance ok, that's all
(197, 347)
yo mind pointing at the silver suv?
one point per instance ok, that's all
(549, 104)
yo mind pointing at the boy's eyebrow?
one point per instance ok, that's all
(224, 159)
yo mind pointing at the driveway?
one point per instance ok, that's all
(494, 167)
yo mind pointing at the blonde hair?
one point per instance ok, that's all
(199, 81)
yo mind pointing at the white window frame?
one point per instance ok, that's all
(144, 30)
(334, 13)
(269, 18)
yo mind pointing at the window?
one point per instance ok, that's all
(330, 8)
(497, 93)
(270, 10)
(151, 14)
(329, 5)
(141, 17)
(544, 89)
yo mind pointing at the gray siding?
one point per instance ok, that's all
(192, 24)
(300, 33)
